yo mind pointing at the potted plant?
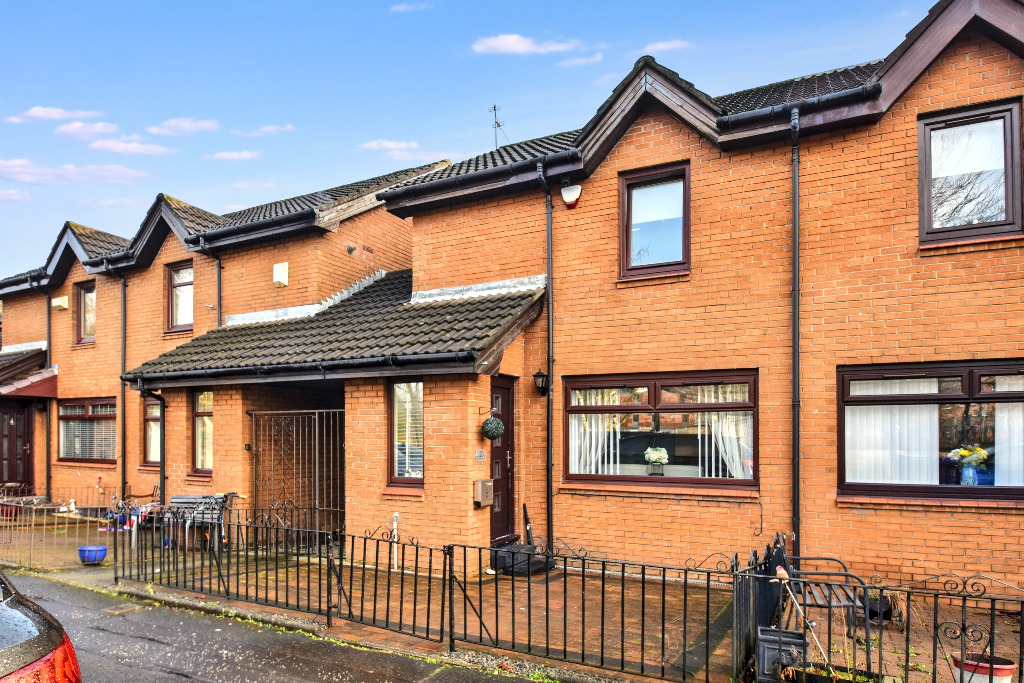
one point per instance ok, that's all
(982, 667)
(967, 460)
(656, 458)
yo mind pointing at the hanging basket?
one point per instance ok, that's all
(492, 428)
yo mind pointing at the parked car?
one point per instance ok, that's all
(33, 645)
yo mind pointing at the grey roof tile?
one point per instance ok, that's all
(796, 89)
(376, 322)
(96, 242)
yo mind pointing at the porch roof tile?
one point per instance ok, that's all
(374, 324)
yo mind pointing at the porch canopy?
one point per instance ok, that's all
(375, 328)
(23, 374)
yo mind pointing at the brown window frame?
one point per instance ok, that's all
(393, 479)
(146, 420)
(81, 289)
(89, 403)
(196, 470)
(630, 180)
(654, 382)
(970, 373)
(172, 268)
(1009, 113)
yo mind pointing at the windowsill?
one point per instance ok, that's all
(84, 344)
(87, 461)
(405, 491)
(149, 467)
(977, 244)
(860, 500)
(201, 475)
(652, 278)
(178, 331)
(673, 489)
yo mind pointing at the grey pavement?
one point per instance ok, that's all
(119, 639)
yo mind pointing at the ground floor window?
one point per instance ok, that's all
(933, 430)
(202, 417)
(405, 420)
(88, 429)
(692, 426)
(151, 438)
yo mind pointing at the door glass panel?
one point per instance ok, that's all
(495, 470)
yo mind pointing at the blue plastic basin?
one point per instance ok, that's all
(92, 554)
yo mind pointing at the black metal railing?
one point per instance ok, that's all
(390, 582)
(652, 620)
(257, 560)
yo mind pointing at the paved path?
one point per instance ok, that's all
(121, 640)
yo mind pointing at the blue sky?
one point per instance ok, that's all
(229, 105)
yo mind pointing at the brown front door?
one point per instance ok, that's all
(503, 462)
(15, 445)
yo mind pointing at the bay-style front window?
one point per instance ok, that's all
(933, 431)
(656, 428)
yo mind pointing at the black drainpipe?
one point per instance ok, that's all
(550, 465)
(124, 346)
(163, 465)
(794, 125)
(49, 402)
(204, 249)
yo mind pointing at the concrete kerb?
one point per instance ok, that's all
(99, 579)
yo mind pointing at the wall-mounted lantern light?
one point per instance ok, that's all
(541, 380)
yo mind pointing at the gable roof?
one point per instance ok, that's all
(199, 229)
(377, 330)
(839, 97)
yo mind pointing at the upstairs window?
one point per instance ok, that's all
(86, 313)
(179, 297)
(88, 429)
(654, 224)
(970, 173)
(406, 431)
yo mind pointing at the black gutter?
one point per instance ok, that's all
(163, 439)
(781, 111)
(795, 304)
(320, 366)
(216, 257)
(456, 181)
(215, 234)
(23, 278)
(548, 290)
(124, 350)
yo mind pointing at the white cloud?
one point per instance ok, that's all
(243, 155)
(129, 147)
(24, 171)
(515, 44)
(582, 61)
(14, 196)
(85, 131)
(184, 126)
(253, 185)
(665, 46)
(389, 145)
(402, 150)
(411, 6)
(112, 202)
(52, 114)
(264, 131)
(606, 78)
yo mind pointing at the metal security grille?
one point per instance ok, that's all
(299, 468)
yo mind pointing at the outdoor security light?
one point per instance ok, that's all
(541, 380)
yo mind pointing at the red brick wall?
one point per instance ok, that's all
(870, 295)
(24, 318)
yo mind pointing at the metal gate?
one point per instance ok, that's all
(299, 467)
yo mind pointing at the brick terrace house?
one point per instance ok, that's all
(103, 304)
(804, 297)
